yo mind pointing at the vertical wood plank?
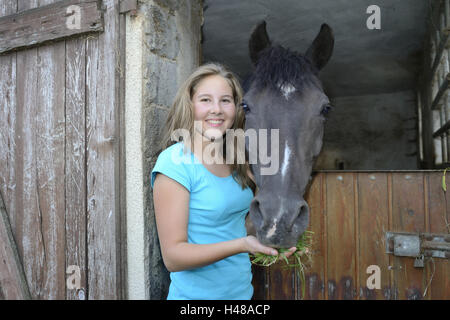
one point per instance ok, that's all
(103, 225)
(50, 149)
(408, 216)
(437, 270)
(315, 272)
(373, 223)
(8, 120)
(341, 243)
(281, 282)
(50, 144)
(121, 158)
(259, 282)
(76, 161)
(26, 220)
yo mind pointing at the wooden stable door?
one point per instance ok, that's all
(350, 215)
(61, 98)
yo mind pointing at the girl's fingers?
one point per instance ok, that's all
(290, 252)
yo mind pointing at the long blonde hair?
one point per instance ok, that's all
(181, 115)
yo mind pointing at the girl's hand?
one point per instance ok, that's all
(253, 246)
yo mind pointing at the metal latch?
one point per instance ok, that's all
(414, 245)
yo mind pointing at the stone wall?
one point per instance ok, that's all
(172, 42)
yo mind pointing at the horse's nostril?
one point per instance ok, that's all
(304, 210)
(255, 213)
(301, 217)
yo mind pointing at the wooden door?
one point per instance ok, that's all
(350, 214)
(60, 158)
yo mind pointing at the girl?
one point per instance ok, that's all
(201, 203)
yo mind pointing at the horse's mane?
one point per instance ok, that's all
(278, 66)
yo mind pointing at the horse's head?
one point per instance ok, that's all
(285, 93)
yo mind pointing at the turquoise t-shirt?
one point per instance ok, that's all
(217, 210)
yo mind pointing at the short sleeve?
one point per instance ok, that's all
(173, 163)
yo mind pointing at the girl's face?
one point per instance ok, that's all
(214, 107)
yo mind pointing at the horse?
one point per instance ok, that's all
(285, 93)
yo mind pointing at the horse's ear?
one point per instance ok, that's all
(321, 49)
(259, 40)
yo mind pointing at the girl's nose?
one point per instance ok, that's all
(216, 107)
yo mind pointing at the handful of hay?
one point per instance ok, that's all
(301, 257)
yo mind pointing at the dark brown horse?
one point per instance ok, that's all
(285, 93)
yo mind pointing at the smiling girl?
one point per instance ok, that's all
(201, 204)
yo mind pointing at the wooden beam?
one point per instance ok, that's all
(13, 283)
(56, 21)
(440, 51)
(442, 130)
(439, 95)
(127, 6)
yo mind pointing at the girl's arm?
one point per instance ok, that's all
(171, 201)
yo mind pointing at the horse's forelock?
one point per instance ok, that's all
(278, 66)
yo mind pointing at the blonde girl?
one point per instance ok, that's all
(201, 203)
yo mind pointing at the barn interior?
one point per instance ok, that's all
(372, 78)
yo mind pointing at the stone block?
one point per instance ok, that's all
(160, 80)
(161, 34)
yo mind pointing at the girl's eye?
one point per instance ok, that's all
(204, 100)
(326, 109)
(226, 101)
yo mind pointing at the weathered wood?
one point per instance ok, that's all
(27, 214)
(410, 201)
(437, 270)
(49, 159)
(58, 216)
(75, 159)
(442, 130)
(316, 272)
(373, 222)
(55, 21)
(408, 216)
(103, 211)
(13, 284)
(441, 46)
(259, 281)
(281, 282)
(8, 120)
(442, 89)
(127, 6)
(122, 243)
(341, 242)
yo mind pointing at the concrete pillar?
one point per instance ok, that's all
(162, 49)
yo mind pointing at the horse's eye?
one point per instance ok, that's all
(326, 109)
(245, 107)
